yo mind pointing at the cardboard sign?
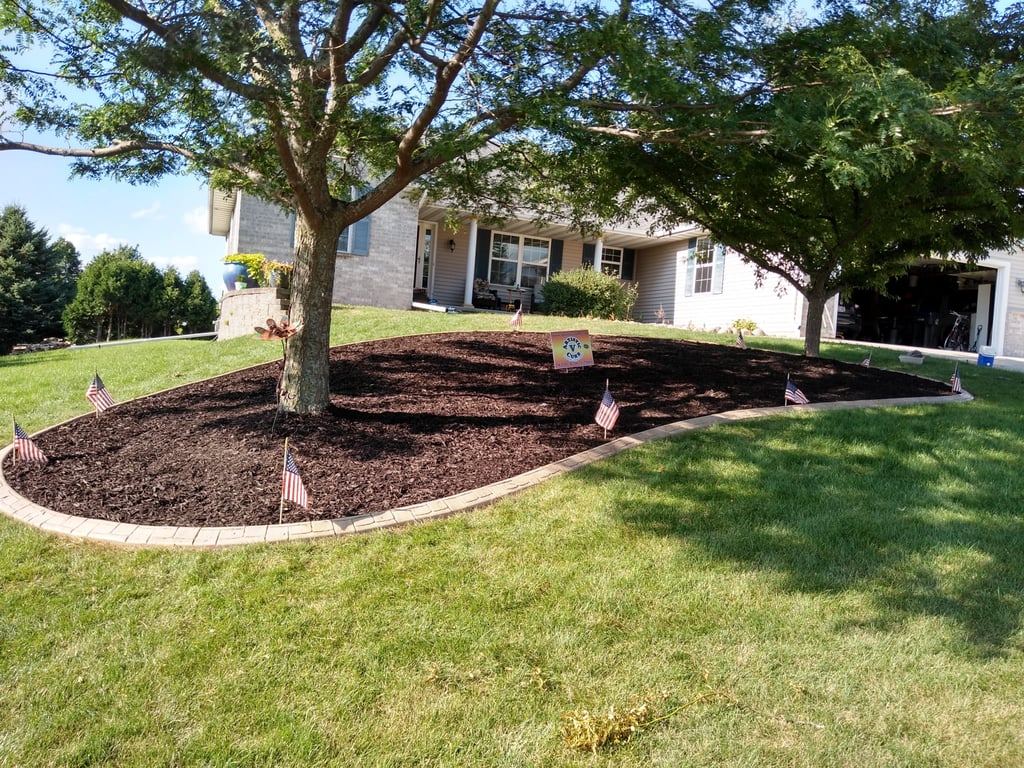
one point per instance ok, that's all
(571, 349)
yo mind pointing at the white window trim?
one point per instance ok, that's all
(521, 239)
(611, 261)
(705, 248)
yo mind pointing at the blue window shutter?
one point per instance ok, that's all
(555, 257)
(691, 265)
(719, 273)
(361, 237)
(588, 255)
(293, 231)
(482, 265)
(628, 262)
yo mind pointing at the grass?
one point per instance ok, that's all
(830, 589)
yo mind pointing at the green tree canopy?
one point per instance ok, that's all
(37, 279)
(297, 103)
(119, 296)
(882, 132)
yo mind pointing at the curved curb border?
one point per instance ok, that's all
(15, 506)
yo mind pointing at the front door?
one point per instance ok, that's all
(424, 276)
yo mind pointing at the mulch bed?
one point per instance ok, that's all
(412, 419)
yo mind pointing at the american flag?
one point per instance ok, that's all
(866, 362)
(292, 488)
(794, 395)
(517, 319)
(608, 411)
(740, 342)
(97, 395)
(24, 447)
(954, 380)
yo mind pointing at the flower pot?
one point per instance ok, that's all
(280, 279)
(235, 273)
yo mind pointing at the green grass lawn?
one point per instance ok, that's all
(829, 589)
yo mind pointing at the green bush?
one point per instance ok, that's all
(586, 293)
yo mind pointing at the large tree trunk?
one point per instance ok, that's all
(816, 301)
(305, 387)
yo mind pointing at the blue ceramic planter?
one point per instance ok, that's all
(235, 273)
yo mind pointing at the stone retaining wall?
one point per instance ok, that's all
(241, 311)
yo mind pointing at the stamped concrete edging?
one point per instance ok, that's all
(16, 506)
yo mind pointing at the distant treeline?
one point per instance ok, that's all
(45, 292)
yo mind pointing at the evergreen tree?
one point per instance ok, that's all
(36, 280)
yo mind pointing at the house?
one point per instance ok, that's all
(405, 253)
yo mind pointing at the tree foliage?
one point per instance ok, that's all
(297, 103)
(37, 279)
(880, 133)
(120, 296)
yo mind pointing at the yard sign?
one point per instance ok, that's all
(571, 349)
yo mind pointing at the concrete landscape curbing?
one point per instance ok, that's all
(15, 506)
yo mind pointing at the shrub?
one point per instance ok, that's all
(744, 325)
(586, 293)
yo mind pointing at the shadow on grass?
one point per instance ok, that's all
(915, 508)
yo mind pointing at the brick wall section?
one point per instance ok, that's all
(382, 279)
(385, 277)
(242, 311)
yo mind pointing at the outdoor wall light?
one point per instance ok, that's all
(1020, 284)
(451, 247)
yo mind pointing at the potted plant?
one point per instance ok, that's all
(278, 274)
(244, 267)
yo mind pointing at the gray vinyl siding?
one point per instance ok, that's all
(450, 268)
(655, 276)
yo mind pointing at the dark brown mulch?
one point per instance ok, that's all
(412, 419)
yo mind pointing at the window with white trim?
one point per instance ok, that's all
(518, 260)
(704, 259)
(611, 261)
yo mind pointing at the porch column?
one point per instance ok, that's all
(598, 250)
(467, 293)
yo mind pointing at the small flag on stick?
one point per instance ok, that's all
(517, 320)
(866, 362)
(24, 448)
(98, 395)
(608, 411)
(794, 395)
(954, 380)
(740, 342)
(292, 488)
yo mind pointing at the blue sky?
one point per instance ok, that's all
(166, 221)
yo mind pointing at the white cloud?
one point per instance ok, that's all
(148, 213)
(196, 220)
(184, 264)
(89, 244)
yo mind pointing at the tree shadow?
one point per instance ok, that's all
(841, 502)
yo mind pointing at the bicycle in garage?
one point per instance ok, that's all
(959, 337)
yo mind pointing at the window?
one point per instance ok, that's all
(356, 238)
(704, 258)
(611, 261)
(518, 260)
